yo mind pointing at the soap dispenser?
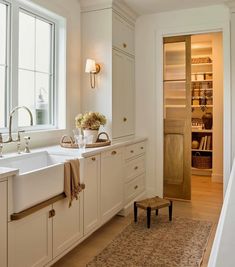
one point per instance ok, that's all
(41, 109)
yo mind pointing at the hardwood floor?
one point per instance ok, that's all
(206, 204)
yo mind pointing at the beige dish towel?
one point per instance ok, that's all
(72, 185)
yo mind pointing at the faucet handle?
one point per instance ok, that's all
(18, 134)
(27, 140)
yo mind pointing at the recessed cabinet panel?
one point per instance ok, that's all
(134, 187)
(118, 94)
(30, 240)
(92, 194)
(123, 34)
(111, 183)
(67, 224)
(134, 168)
(123, 95)
(3, 224)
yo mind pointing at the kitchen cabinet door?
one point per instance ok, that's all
(112, 186)
(123, 94)
(67, 224)
(92, 194)
(30, 240)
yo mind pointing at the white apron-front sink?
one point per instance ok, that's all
(41, 177)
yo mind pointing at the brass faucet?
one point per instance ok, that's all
(10, 139)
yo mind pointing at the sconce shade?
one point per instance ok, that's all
(90, 66)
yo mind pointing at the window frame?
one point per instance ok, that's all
(58, 64)
(7, 62)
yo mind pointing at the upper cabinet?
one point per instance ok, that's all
(123, 34)
(108, 38)
(123, 95)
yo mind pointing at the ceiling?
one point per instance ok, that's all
(155, 6)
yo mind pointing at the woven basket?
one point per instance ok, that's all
(202, 162)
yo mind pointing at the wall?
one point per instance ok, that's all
(149, 97)
(71, 12)
(97, 45)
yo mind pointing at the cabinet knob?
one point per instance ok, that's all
(114, 152)
(132, 151)
(136, 187)
(142, 148)
(124, 119)
(93, 158)
(124, 45)
(136, 168)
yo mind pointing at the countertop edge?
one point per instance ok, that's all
(7, 172)
(73, 152)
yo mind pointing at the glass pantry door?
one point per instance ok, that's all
(177, 117)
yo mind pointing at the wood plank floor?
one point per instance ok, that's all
(206, 204)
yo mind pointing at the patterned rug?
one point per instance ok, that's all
(178, 243)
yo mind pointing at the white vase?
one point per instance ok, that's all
(91, 135)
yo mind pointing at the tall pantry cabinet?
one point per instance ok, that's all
(108, 38)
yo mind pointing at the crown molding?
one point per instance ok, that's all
(118, 5)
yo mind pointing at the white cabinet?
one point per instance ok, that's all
(123, 34)
(42, 236)
(111, 31)
(92, 194)
(30, 240)
(3, 224)
(134, 186)
(111, 183)
(123, 94)
(67, 224)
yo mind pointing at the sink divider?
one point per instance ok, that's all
(35, 208)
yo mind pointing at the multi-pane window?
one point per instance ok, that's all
(29, 44)
(3, 63)
(35, 68)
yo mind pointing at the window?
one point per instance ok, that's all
(3, 63)
(31, 69)
(35, 71)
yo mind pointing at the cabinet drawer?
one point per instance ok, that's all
(123, 35)
(133, 188)
(113, 152)
(135, 150)
(134, 168)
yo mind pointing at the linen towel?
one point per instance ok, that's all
(72, 185)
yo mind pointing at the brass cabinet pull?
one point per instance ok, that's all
(114, 152)
(136, 168)
(132, 151)
(124, 45)
(93, 158)
(142, 147)
(51, 213)
(136, 187)
(124, 119)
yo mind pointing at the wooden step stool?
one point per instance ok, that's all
(154, 203)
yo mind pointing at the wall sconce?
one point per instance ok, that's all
(92, 68)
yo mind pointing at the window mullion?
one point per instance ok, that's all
(14, 61)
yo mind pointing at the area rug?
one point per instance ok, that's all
(180, 243)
